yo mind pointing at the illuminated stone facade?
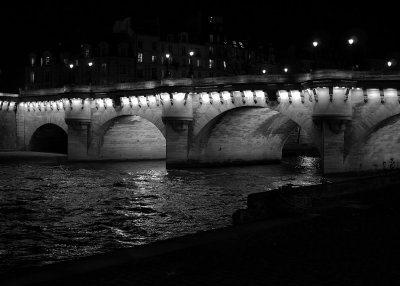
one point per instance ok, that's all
(352, 119)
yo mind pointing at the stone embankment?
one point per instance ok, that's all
(290, 200)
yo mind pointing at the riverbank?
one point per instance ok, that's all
(23, 156)
(353, 243)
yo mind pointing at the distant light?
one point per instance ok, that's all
(90, 64)
(71, 66)
(167, 56)
(315, 43)
(389, 63)
(350, 41)
(285, 69)
(191, 53)
(264, 71)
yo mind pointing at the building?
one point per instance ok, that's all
(127, 56)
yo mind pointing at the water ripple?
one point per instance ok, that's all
(54, 213)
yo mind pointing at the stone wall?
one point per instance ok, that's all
(8, 130)
(28, 122)
(246, 134)
(131, 137)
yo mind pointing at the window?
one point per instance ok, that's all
(198, 53)
(154, 46)
(140, 45)
(139, 73)
(47, 60)
(162, 48)
(153, 73)
(183, 51)
(224, 65)
(32, 61)
(211, 38)
(153, 59)
(103, 49)
(184, 38)
(211, 50)
(198, 63)
(104, 67)
(211, 64)
(140, 57)
(32, 77)
(47, 76)
(123, 49)
(123, 69)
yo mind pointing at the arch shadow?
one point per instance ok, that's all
(49, 138)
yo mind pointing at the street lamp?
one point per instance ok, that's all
(90, 64)
(191, 74)
(315, 44)
(167, 74)
(350, 41)
(285, 69)
(389, 64)
(264, 71)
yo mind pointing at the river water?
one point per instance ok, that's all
(51, 213)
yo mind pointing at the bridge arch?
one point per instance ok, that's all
(127, 137)
(378, 148)
(247, 133)
(49, 137)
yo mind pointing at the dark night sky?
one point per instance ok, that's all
(38, 25)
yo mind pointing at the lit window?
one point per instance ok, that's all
(211, 63)
(211, 19)
(32, 61)
(104, 67)
(140, 57)
(198, 62)
(76, 62)
(32, 77)
(153, 59)
(211, 38)
(47, 60)
(224, 65)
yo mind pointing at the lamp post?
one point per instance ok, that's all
(351, 42)
(191, 73)
(71, 73)
(315, 45)
(167, 74)
(90, 65)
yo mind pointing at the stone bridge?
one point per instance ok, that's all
(353, 119)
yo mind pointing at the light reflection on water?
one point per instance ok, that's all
(53, 213)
